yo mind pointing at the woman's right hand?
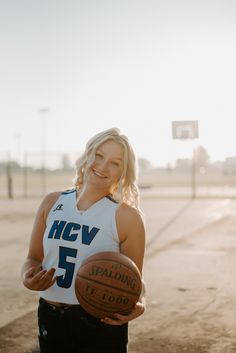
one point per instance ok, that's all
(35, 278)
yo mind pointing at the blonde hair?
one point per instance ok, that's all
(126, 190)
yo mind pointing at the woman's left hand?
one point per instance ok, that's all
(123, 319)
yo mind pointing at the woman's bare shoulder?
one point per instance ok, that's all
(51, 197)
(127, 212)
(48, 201)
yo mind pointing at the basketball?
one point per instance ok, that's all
(108, 283)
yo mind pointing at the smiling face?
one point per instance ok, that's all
(107, 168)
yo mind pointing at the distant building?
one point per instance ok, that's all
(230, 165)
(183, 164)
(217, 166)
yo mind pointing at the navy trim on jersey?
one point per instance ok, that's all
(68, 191)
(111, 199)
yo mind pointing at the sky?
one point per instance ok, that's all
(70, 69)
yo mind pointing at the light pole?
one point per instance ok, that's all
(193, 176)
(43, 111)
(18, 147)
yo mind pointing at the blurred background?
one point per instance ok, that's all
(70, 69)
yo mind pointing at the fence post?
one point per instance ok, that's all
(9, 178)
(25, 175)
(193, 177)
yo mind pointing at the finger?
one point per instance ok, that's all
(38, 276)
(47, 283)
(139, 308)
(45, 278)
(45, 286)
(54, 280)
(120, 317)
(30, 272)
(49, 274)
(138, 305)
(110, 321)
(45, 275)
(34, 282)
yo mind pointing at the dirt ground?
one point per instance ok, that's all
(190, 271)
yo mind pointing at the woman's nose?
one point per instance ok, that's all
(102, 165)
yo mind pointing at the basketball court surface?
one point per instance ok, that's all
(189, 270)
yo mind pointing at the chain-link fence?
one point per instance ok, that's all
(34, 177)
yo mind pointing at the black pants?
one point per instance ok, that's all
(73, 330)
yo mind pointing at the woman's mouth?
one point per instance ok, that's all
(100, 175)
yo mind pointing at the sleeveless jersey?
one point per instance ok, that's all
(71, 236)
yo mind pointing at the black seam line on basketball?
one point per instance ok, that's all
(108, 285)
(110, 310)
(139, 277)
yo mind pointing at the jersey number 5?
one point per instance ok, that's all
(65, 280)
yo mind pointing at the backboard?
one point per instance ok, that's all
(186, 129)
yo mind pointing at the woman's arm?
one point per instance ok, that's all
(33, 276)
(131, 231)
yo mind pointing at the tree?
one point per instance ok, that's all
(202, 158)
(66, 164)
(144, 165)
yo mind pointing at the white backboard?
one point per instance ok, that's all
(186, 129)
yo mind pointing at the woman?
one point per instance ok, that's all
(100, 214)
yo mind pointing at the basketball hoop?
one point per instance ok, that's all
(185, 130)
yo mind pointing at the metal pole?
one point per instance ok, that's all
(193, 175)
(43, 112)
(9, 178)
(25, 168)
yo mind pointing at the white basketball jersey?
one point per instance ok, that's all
(71, 236)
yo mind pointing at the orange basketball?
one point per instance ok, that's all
(108, 283)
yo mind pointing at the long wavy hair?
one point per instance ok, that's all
(126, 189)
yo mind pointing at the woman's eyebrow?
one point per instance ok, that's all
(101, 151)
(120, 159)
